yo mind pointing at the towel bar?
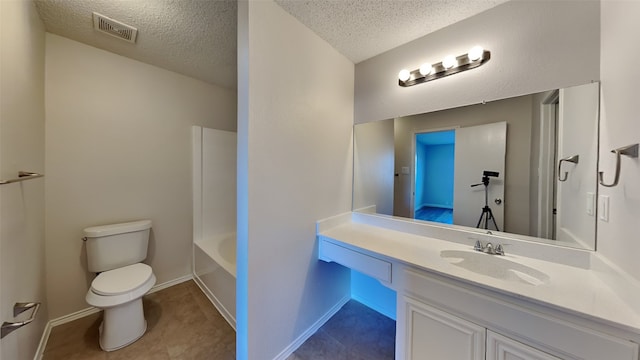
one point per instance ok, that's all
(9, 327)
(22, 176)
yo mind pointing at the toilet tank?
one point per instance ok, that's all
(116, 245)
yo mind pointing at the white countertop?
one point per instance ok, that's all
(579, 290)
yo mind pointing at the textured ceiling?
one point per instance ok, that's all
(197, 38)
(361, 29)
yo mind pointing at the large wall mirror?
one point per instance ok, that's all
(525, 166)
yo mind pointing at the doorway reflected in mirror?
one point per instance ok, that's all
(433, 181)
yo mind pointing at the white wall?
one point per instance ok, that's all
(620, 126)
(295, 167)
(22, 262)
(535, 46)
(118, 144)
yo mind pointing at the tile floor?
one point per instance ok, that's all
(181, 324)
(353, 333)
(176, 330)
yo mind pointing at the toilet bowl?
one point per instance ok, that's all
(114, 252)
(119, 293)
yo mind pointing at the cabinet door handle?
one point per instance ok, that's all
(18, 308)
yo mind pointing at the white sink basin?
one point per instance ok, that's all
(494, 266)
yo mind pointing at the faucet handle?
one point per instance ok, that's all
(489, 249)
(499, 250)
(478, 246)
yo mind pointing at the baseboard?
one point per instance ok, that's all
(170, 283)
(43, 342)
(216, 303)
(90, 311)
(73, 316)
(312, 330)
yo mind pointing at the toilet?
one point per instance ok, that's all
(115, 253)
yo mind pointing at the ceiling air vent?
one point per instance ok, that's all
(114, 28)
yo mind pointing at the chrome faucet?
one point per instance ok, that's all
(489, 248)
(478, 246)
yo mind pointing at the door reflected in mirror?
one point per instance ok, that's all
(525, 165)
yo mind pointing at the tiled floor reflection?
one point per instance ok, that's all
(435, 214)
(181, 324)
(354, 333)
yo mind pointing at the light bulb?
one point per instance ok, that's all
(449, 62)
(426, 69)
(475, 53)
(404, 75)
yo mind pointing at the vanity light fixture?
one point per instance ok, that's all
(404, 75)
(475, 53)
(449, 62)
(450, 65)
(425, 69)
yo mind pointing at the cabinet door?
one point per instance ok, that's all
(431, 334)
(502, 348)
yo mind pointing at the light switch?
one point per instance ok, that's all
(405, 170)
(591, 203)
(603, 208)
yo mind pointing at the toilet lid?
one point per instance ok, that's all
(121, 280)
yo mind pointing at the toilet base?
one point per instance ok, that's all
(122, 325)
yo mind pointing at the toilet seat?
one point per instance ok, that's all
(121, 280)
(122, 288)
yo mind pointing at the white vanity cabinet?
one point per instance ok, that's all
(500, 347)
(434, 334)
(430, 333)
(439, 318)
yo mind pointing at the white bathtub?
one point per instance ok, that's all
(215, 272)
